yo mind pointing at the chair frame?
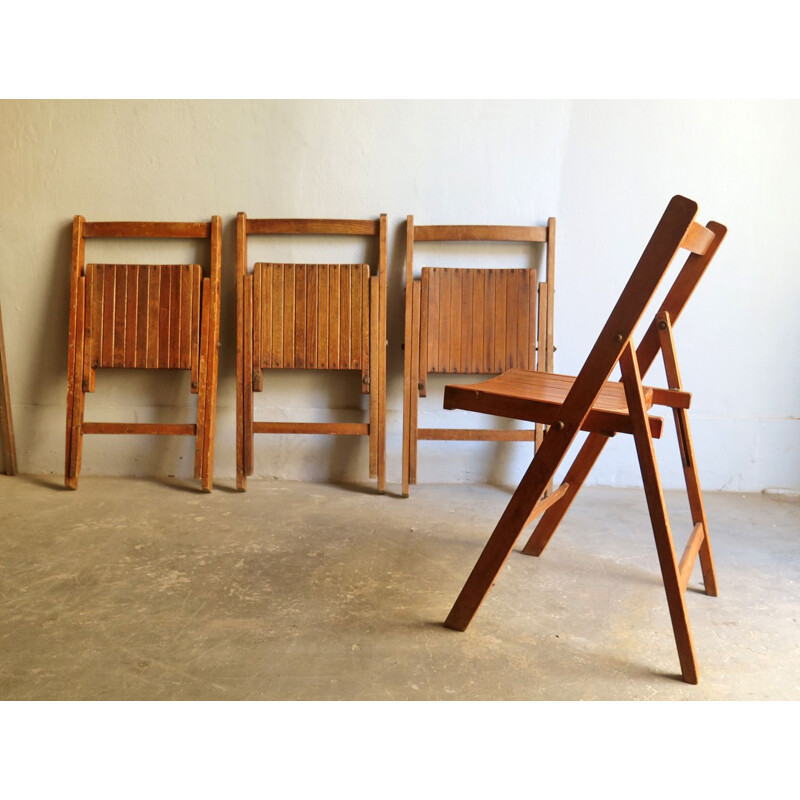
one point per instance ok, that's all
(204, 336)
(415, 370)
(249, 371)
(6, 424)
(677, 229)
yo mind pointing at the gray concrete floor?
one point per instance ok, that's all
(133, 589)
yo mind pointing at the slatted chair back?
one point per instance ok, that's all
(311, 316)
(480, 321)
(144, 316)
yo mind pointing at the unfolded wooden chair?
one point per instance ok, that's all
(473, 321)
(144, 316)
(311, 316)
(590, 402)
(6, 424)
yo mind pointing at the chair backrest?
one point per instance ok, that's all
(676, 230)
(143, 315)
(477, 320)
(313, 316)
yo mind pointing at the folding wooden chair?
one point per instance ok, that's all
(473, 321)
(311, 316)
(142, 316)
(591, 403)
(6, 424)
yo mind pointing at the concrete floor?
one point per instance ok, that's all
(134, 589)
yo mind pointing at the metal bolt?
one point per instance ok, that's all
(559, 426)
(618, 337)
(662, 325)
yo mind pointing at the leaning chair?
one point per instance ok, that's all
(144, 316)
(590, 402)
(474, 321)
(311, 316)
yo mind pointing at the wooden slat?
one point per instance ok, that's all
(474, 435)
(267, 317)
(153, 312)
(339, 428)
(334, 227)
(109, 296)
(288, 316)
(500, 344)
(165, 299)
(366, 378)
(120, 314)
(278, 313)
(174, 350)
(94, 329)
(131, 311)
(477, 316)
(454, 334)
(152, 230)
(257, 324)
(690, 554)
(300, 330)
(483, 233)
(197, 282)
(431, 324)
(312, 316)
(163, 429)
(356, 323)
(202, 394)
(344, 317)
(466, 333)
(76, 272)
(512, 322)
(142, 324)
(323, 304)
(185, 358)
(489, 321)
(334, 311)
(551, 288)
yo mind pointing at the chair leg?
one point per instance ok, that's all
(696, 504)
(202, 393)
(658, 515)
(576, 476)
(499, 546)
(76, 394)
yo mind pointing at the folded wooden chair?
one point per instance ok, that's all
(6, 425)
(143, 316)
(589, 402)
(473, 321)
(311, 316)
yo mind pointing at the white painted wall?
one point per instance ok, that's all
(604, 169)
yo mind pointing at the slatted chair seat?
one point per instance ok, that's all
(538, 396)
(589, 402)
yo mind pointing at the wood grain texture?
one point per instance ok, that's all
(317, 315)
(143, 315)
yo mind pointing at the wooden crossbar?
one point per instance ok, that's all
(330, 227)
(690, 554)
(339, 428)
(146, 230)
(475, 435)
(162, 429)
(546, 502)
(480, 233)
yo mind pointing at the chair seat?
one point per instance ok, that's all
(538, 396)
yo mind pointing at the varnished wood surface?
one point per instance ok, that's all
(310, 316)
(479, 233)
(135, 316)
(479, 321)
(329, 227)
(576, 400)
(142, 316)
(147, 230)
(538, 397)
